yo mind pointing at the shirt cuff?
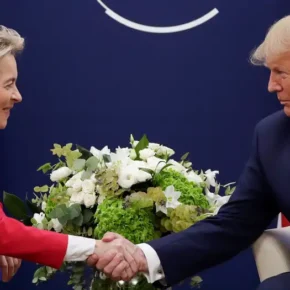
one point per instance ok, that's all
(155, 271)
(79, 248)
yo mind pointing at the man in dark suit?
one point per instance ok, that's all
(263, 191)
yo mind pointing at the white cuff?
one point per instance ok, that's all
(154, 266)
(79, 248)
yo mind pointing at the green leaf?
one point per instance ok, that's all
(74, 211)
(150, 171)
(33, 208)
(88, 214)
(58, 212)
(142, 144)
(86, 154)
(79, 164)
(45, 167)
(92, 163)
(90, 231)
(184, 157)
(78, 221)
(107, 158)
(165, 166)
(87, 174)
(15, 206)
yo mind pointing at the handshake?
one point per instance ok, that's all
(118, 258)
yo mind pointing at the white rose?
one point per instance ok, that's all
(77, 185)
(77, 197)
(70, 191)
(89, 200)
(72, 180)
(56, 225)
(60, 174)
(43, 205)
(93, 178)
(146, 153)
(88, 186)
(39, 217)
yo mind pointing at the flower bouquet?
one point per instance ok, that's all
(140, 192)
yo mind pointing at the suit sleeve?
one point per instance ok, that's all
(238, 224)
(31, 244)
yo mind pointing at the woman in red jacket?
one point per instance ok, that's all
(16, 240)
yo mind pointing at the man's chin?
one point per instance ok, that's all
(287, 110)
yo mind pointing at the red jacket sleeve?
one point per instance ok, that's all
(31, 244)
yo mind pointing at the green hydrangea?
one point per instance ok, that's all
(57, 196)
(191, 193)
(137, 225)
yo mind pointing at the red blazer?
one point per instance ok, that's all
(31, 244)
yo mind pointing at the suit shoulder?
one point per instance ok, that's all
(273, 121)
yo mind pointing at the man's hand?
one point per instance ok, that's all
(118, 258)
(9, 266)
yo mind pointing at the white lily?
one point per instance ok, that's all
(210, 177)
(172, 197)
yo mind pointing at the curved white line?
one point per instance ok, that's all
(155, 29)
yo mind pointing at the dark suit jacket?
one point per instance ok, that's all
(262, 192)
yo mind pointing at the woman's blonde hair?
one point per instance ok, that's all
(276, 42)
(10, 41)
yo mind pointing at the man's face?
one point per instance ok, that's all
(279, 80)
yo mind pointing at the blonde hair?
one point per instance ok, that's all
(277, 41)
(10, 41)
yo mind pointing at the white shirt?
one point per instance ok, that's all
(80, 248)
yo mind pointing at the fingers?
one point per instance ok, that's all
(7, 268)
(92, 260)
(120, 271)
(108, 237)
(106, 259)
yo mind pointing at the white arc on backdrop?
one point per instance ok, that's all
(158, 29)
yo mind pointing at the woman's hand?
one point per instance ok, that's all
(8, 267)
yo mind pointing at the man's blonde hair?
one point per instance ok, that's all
(10, 41)
(276, 42)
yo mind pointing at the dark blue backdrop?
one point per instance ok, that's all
(87, 79)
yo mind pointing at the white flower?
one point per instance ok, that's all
(56, 225)
(154, 146)
(93, 178)
(99, 153)
(77, 197)
(177, 166)
(43, 205)
(172, 197)
(192, 176)
(70, 191)
(216, 200)
(155, 163)
(72, 180)
(163, 150)
(133, 154)
(210, 177)
(146, 153)
(130, 175)
(135, 143)
(161, 207)
(77, 185)
(88, 186)
(60, 174)
(39, 217)
(89, 200)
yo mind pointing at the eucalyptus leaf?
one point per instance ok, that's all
(92, 163)
(88, 214)
(74, 211)
(79, 164)
(58, 212)
(87, 174)
(15, 206)
(78, 221)
(45, 167)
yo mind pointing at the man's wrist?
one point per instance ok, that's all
(143, 265)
